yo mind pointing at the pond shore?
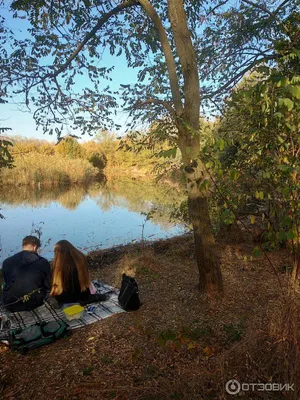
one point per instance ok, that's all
(179, 345)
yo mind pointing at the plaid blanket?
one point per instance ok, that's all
(46, 313)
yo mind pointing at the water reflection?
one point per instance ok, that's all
(100, 215)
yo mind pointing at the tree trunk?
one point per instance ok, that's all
(210, 277)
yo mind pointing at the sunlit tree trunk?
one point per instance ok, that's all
(187, 116)
(210, 277)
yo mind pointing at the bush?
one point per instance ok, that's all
(98, 160)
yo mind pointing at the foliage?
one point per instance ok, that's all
(69, 147)
(229, 39)
(257, 150)
(94, 154)
(6, 159)
(98, 160)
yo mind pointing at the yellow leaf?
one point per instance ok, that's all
(252, 219)
(91, 338)
(192, 345)
(209, 351)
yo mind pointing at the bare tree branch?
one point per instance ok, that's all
(188, 60)
(165, 104)
(150, 11)
(89, 35)
(222, 3)
(241, 73)
(270, 13)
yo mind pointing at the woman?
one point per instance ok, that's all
(70, 276)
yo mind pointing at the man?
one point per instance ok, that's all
(27, 277)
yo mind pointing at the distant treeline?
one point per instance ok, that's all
(40, 163)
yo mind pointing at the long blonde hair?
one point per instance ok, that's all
(66, 258)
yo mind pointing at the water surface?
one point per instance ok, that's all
(98, 216)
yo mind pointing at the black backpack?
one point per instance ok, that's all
(128, 297)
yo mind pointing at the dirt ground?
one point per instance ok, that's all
(179, 345)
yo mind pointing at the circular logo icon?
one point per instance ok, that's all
(233, 386)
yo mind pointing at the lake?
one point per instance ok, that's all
(93, 217)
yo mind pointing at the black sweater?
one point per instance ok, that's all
(24, 273)
(73, 294)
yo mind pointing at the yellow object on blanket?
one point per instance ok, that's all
(73, 312)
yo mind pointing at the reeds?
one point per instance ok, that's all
(48, 170)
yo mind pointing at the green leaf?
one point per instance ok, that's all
(263, 69)
(283, 82)
(290, 235)
(168, 153)
(227, 217)
(294, 90)
(256, 251)
(286, 102)
(169, 335)
(221, 144)
(259, 195)
(234, 174)
(282, 235)
(284, 167)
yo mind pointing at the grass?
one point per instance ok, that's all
(48, 170)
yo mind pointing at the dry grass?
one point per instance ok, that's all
(179, 345)
(48, 170)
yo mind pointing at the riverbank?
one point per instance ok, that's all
(179, 345)
(37, 163)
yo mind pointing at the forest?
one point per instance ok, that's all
(214, 111)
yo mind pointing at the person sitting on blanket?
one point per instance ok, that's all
(27, 278)
(70, 276)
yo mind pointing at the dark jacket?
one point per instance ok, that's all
(24, 273)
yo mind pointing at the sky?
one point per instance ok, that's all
(20, 119)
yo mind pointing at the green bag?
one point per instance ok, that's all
(38, 335)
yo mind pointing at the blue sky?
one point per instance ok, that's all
(20, 119)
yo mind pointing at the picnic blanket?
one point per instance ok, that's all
(46, 313)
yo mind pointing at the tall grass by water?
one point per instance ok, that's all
(37, 163)
(48, 170)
